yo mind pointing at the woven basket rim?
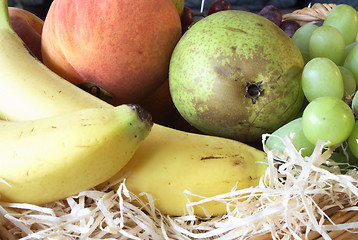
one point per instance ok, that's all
(316, 12)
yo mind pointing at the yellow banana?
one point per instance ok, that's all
(204, 165)
(52, 158)
(23, 75)
(30, 91)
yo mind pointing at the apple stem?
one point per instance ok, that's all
(96, 90)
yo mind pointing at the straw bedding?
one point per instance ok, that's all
(294, 200)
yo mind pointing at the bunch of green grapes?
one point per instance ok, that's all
(329, 83)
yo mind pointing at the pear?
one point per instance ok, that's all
(236, 74)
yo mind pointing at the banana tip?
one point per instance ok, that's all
(143, 114)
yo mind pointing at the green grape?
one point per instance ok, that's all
(300, 141)
(350, 85)
(327, 41)
(351, 61)
(322, 78)
(344, 18)
(352, 140)
(328, 119)
(302, 38)
(349, 47)
(354, 104)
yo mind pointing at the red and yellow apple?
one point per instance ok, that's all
(122, 46)
(160, 104)
(29, 28)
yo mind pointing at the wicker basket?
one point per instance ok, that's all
(317, 12)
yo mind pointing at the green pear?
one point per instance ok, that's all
(235, 74)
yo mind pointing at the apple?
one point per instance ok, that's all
(29, 28)
(124, 47)
(160, 104)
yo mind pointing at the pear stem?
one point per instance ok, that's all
(4, 15)
(198, 14)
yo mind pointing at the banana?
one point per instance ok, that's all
(52, 158)
(202, 164)
(22, 75)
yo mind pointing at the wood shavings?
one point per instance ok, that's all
(292, 201)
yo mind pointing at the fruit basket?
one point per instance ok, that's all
(303, 201)
(314, 13)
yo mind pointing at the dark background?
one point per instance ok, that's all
(40, 7)
(257, 5)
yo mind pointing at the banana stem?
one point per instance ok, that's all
(4, 15)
